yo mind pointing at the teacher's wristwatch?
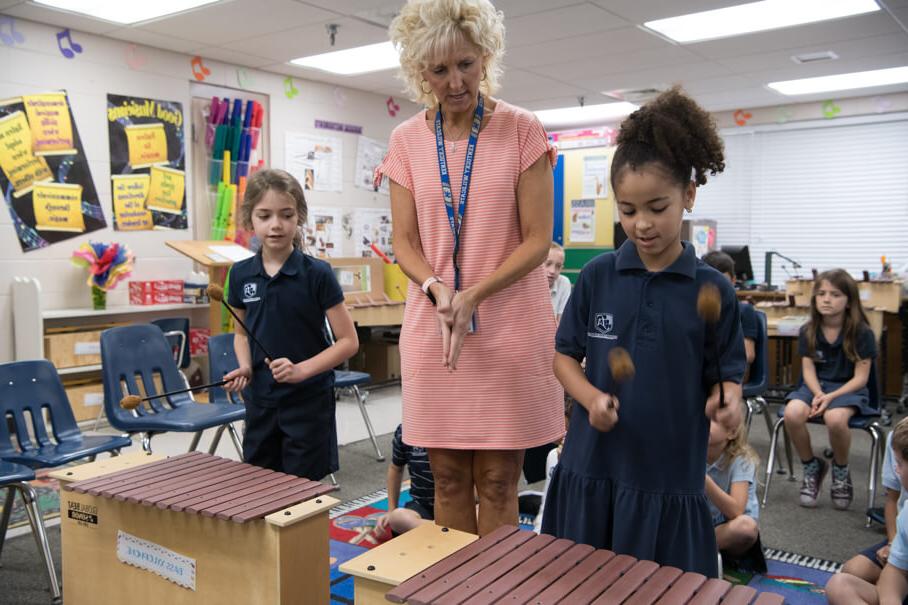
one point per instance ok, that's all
(427, 284)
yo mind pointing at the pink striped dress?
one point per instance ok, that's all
(503, 394)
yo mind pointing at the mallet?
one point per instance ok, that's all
(709, 308)
(217, 293)
(621, 365)
(131, 402)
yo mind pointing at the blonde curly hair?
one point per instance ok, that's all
(425, 30)
(738, 446)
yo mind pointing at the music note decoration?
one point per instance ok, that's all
(289, 89)
(741, 117)
(74, 47)
(244, 79)
(392, 107)
(13, 37)
(135, 60)
(830, 109)
(199, 71)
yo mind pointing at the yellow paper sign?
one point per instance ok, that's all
(22, 167)
(58, 207)
(166, 194)
(129, 194)
(48, 117)
(147, 145)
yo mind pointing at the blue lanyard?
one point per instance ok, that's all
(456, 220)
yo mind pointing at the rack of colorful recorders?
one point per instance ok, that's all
(232, 136)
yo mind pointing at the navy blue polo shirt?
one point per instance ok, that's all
(659, 443)
(748, 320)
(831, 362)
(286, 312)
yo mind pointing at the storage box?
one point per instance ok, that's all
(157, 292)
(198, 340)
(881, 295)
(72, 349)
(379, 359)
(801, 289)
(85, 399)
(140, 293)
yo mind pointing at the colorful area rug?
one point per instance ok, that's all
(799, 578)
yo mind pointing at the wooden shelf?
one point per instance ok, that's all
(120, 310)
(79, 370)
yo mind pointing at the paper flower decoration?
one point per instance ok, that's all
(107, 264)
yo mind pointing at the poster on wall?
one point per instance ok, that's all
(595, 176)
(583, 221)
(369, 154)
(147, 163)
(44, 174)
(323, 232)
(316, 161)
(372, 227)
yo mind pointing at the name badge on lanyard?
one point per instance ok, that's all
(455, 215)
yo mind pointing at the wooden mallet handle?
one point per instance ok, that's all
(217, 293)
(131, 402)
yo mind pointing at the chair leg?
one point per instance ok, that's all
(37, 523)
(765, 406)
(791, 471)
(98, 418)
(146, 442)
(773, 441)
(217, 439)
(334, 481)
(235, 437)
(361, 401)
(749, 405)
(195, 441)
(875, 437)
(4, 518)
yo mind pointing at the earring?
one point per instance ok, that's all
(424, 91)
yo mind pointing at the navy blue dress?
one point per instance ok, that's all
(835, 369)
(639, 489)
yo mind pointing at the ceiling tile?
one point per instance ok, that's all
(662, 76)
(225, 22)
(640, 11)
(828, 68)
(519, 8)
(614, 44)
(598, 66)
(518, 84)
(59, 18)
(138, 36)
(560, 23)
(310, 40)
(737, 98)
(5, 4)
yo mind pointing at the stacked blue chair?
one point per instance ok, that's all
(13, 478)
(868, 423)
(176, 330)
(221, 360)
(136, 354)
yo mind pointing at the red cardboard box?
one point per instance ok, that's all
(198, 340)
(140, 293)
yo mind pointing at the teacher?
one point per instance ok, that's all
(471, 200)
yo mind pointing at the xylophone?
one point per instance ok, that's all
(194, 528)
(513, 566)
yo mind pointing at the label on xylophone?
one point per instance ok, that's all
(156, 559)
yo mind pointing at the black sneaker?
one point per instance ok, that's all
(814, 472)
(842, 490)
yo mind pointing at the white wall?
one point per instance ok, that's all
(37, 66)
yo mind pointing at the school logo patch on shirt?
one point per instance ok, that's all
(603, 323)
(249, 292)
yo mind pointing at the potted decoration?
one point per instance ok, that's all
(107, 265)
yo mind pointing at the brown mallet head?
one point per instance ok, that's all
(130, 402)
(709, 303)
(215, 292)
(621, 364)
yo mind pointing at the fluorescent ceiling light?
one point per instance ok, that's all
(352, 61)
(756, 17)
(860, 79)
(588, 114)
(125, 12)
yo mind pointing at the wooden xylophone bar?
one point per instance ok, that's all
(199, 483)
(512, 566)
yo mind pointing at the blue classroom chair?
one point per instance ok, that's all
(221, 360)
(13, 478)
(132, 357)
(868, 423)
(32, 395)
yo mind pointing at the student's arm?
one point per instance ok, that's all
(730, 504)
(750, 350)
(602, 407)
(892, 585)
(240, 377)
(857, 382)
(534, 210)
(809, 376)
(345, 346)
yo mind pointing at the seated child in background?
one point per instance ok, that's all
(892, 584)
(724, 264)
(732, 494)
(867, 565)
(551, 462)
(421, 506)
(559, 285)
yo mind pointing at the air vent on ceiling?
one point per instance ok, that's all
(637, 96)
(826, 55)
